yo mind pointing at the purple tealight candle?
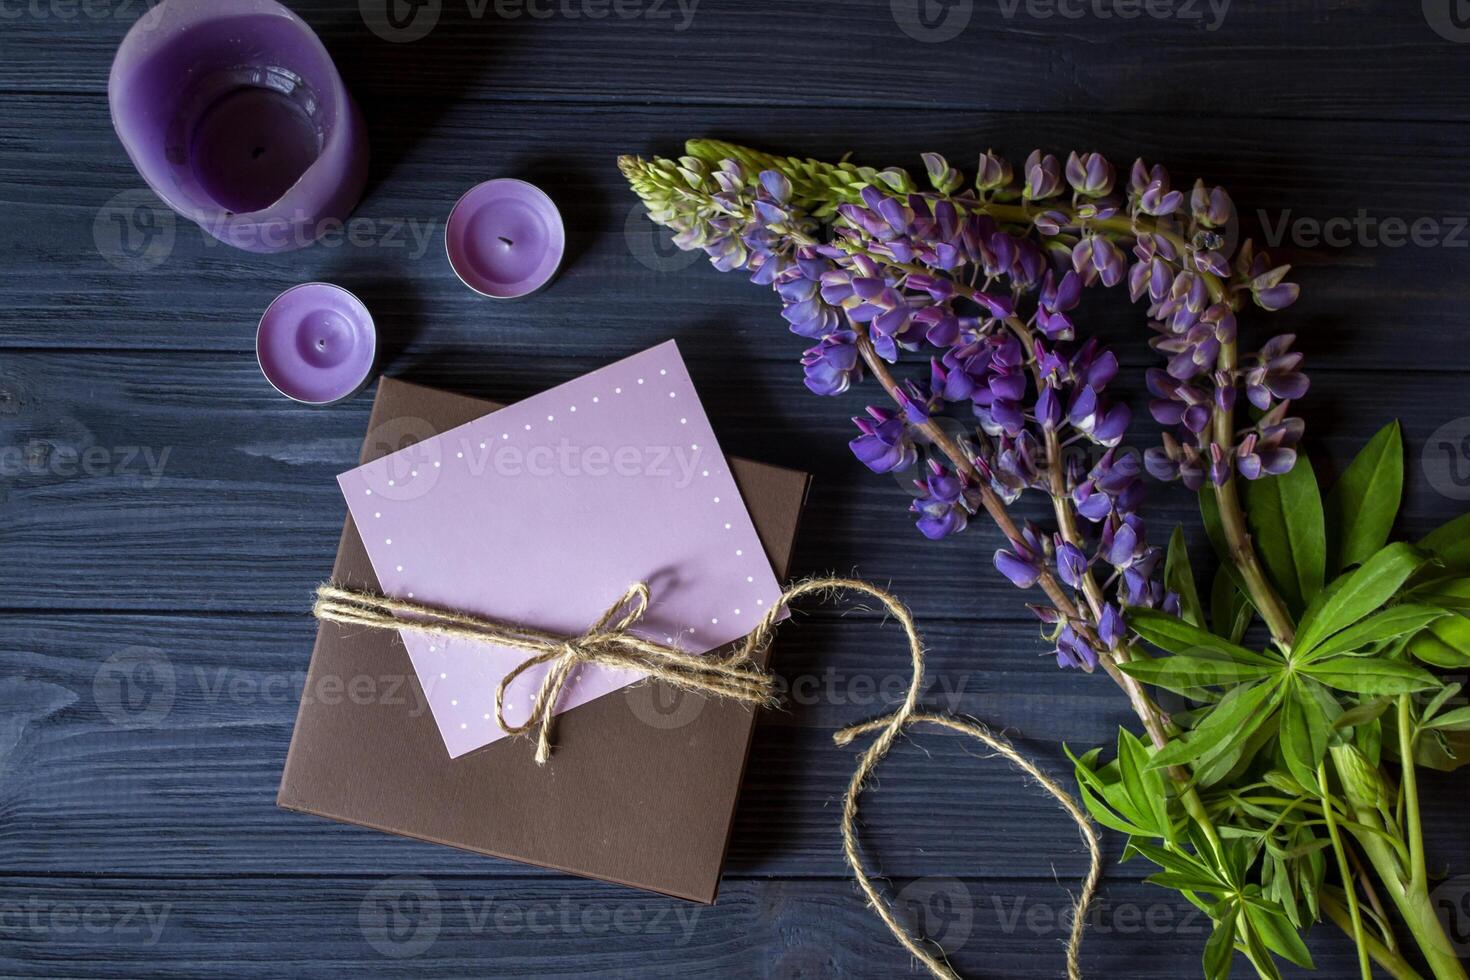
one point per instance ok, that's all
(235, 115)
(317, 343)
(505, 239)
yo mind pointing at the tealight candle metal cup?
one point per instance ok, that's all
(317, 344)
(505, 239)
(235, 115)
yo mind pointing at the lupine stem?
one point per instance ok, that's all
(1354, 915)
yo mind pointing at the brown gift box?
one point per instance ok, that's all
(634, 793)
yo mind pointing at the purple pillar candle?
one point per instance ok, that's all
(317, 344)
(505, 239)
(235, 116)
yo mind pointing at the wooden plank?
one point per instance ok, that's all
(123, 732)
(181, 481)
(81, 245)
(1192, 58)
(414, 926)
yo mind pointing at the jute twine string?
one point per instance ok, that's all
(609, 642)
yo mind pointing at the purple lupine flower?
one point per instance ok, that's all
(1043, 177)
(1270, 450)
(1176, 403)
(1122, 541)
(1071, 563)
(885, 444)
(1025, 560)
(992, 173)
(942, 503)
(1275, 374)
(1090, 175)
(1113, 484)
(1090, 415)
(1073, 651)
(1015, 466)
(1054, 302)
(833, 365)
(1111, 627)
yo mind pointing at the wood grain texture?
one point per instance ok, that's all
(83, 226)
(164, 515)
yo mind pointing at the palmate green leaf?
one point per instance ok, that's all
(1362, 505)
(1176, 636)
(1360, 592)
(1230, 610)
(1220, 948)
(1095, 790)
(1391, 623)
(1234, 720)
(1288, 529)
(1371, 675)
(1450, 543)
(1179, 578)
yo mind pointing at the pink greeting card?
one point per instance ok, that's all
(544, 513)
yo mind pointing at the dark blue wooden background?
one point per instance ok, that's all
(153, 595)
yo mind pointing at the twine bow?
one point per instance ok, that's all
(610, 643)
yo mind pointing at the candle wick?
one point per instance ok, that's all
(507, 241)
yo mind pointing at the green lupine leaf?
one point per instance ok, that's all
(1448, 592)
(1371, 676)
(1363, 591)
(1148, 791)
(1132, 758)
(1444, 644)
(1176, 636)
(1182, 674)
(1179, 578)
(1439, 701)
(1363, 713)
(1450, 543)
(1288, 529)
(1276, 931)
(1303, 736)
(1393, 622)
(1457, 720)
(1233, 721)
(1261, 955)
(1175, 861)
(1220, 949)
(1183, 883)
(1362, 505)
(1230, 610)
(1105, 816)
